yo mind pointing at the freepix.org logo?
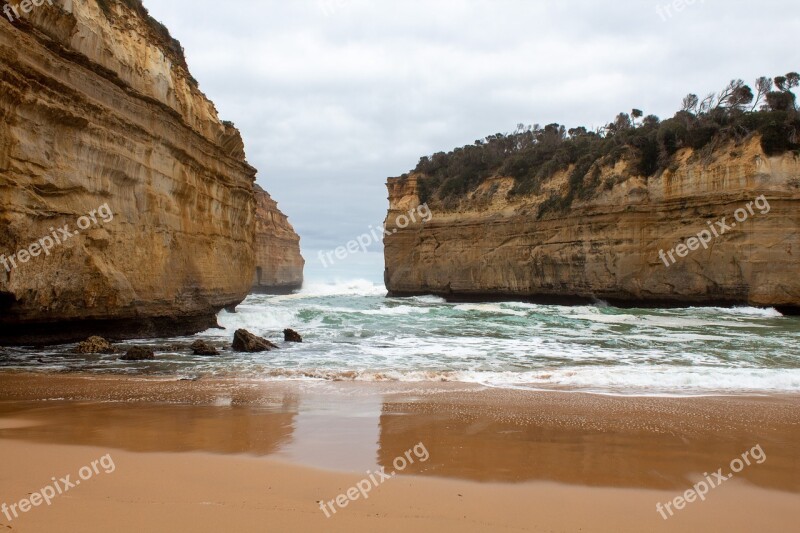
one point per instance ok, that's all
(57, 236)
(12, 11)
(58, 487)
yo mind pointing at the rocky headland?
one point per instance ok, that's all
(279, 264)
(625, 223)
(127, 206)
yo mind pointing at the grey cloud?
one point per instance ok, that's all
(331, 101)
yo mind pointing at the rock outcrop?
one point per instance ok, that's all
(244, 341)
(608, 247)
(139, 353)
(279, 265)
(204, 348)
(97, 108)
(290, 335)
(94, 345)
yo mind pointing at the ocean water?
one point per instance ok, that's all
(353, 332)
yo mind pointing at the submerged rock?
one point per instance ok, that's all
(290, 335)
(138, 353)
(244, 341)
(94, 345)
(204, 348)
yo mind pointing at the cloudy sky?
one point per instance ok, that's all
(334, 96)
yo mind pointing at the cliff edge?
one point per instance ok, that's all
(717, 225)
(127, 207)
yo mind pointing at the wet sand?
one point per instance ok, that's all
(249, 456)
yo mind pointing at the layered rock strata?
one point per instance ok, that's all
(279, 264)
(100, 118)
(613, 246)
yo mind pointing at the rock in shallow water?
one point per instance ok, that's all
(138, 353)
(244, 341)
(290, 335)
(94, 345)
(204, 348)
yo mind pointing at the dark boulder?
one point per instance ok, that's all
(244, 341)
(204, 348)
(138, 353)
(94, 345)
(290, 335)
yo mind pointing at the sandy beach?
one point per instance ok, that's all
(356, 267)
(216, 455)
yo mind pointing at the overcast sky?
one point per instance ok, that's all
(334, 96)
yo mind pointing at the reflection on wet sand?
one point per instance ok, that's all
(594, 440)
(471, 433)
(148, 416)
(157, 428)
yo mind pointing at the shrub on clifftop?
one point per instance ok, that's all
(533, 154)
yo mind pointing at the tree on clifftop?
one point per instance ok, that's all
(532, 155)
(784, 99)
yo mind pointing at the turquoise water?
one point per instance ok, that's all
(353, 332)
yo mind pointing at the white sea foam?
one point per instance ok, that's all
(678, 382)
(254, 319)
(399, 310)
(489, 308)
(649, 380)
(353, 332)
(358, 287)
(746, 311)
(431, 300)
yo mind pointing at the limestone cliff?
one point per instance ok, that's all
(607, 247)
(279, 265)
(97, 108)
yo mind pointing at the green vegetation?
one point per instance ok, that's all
(531, 155)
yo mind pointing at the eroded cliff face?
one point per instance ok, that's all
(608, 247)
(279, 265)
(97, 109)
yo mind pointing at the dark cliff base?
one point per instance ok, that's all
(549, 299)
(44, 334)
(277, 290)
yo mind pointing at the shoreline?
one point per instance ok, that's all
(485, 434)
(398, 386)
(366, 379)
(240, 455)
(575, 300)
